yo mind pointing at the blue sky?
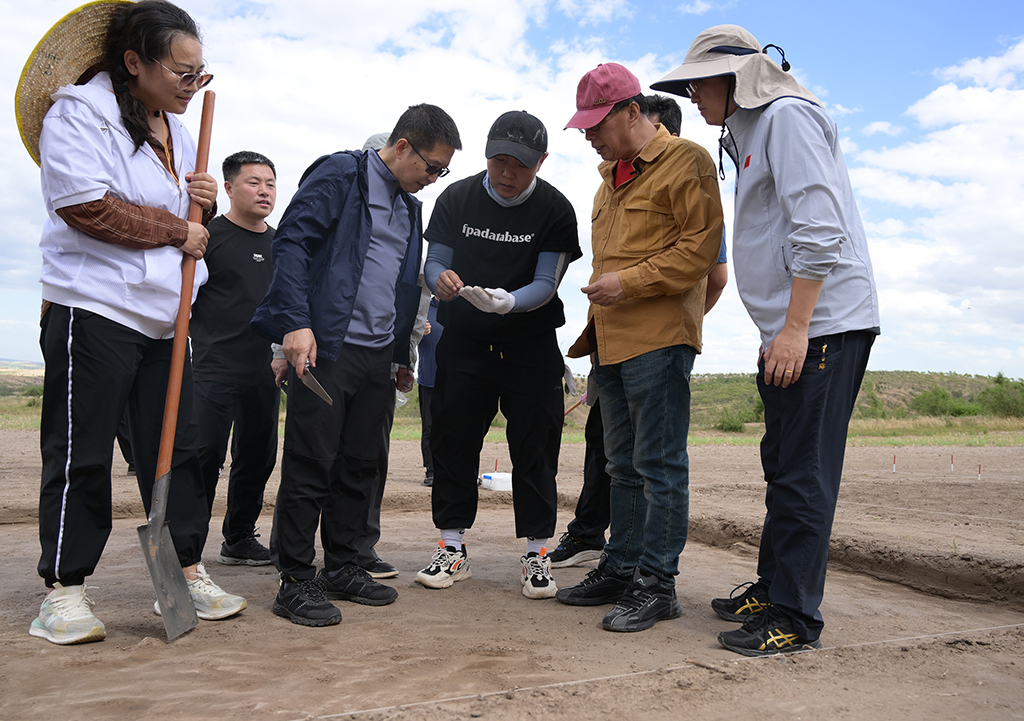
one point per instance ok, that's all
(928, 97)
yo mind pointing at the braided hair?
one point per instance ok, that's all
(147, 27)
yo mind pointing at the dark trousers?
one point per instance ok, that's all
(592, 509)
(330, 461)
(473, 378)
(365, 545)
(96, 372)
(253, 410)
(426, 395)
(802, 455)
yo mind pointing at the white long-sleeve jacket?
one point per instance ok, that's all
(86, 152)
(796, 217)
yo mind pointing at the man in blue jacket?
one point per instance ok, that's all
(343, 300)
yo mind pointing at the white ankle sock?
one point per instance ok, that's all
(536, 545)
(453, 537)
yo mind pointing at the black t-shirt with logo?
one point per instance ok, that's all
(223, 346)
(498, 247)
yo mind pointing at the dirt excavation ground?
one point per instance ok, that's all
(924, 612)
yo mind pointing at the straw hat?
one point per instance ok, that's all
(71, 48)
(731, 50)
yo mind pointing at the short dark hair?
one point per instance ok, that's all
(668, 112)
(425, 126)
(640, 100)
(232, 165)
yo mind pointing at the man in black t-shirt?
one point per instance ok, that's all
(500, 242)
(234, 382)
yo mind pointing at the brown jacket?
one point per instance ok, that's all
(661, 232)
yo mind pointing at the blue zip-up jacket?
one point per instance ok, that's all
(318, 252)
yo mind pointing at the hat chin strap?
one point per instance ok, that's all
(725, 115)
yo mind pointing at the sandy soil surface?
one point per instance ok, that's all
(924, 612)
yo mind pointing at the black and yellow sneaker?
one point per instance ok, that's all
(745, 600)
(766, 634)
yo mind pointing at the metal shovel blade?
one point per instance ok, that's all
(176, 609)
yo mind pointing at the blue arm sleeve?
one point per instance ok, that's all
(551, 268)
(439, 259)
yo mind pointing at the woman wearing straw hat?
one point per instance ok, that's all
(117, 180)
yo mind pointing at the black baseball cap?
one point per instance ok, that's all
(519, 134)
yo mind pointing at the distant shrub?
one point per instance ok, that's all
(1005, 398)
(939, 402)
(731, 421)
(33, 392)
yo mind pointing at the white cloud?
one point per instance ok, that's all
(882, 126)
(1002, 71)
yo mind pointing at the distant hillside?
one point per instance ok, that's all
(715, 397)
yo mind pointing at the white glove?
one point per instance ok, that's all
(489, 300)
(570, 381)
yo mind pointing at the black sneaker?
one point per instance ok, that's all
(428, 480)
(599, 587)
(304, 603)
(646, 603)
(380, 569)
(766, 634)
(353, 583)
(572, 551)
(245, 552)
(752, 598)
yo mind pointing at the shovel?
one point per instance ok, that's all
(176, 609)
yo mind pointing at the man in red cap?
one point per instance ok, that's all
(657, 230)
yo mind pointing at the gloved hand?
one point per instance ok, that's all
(570, 381)
(489, 300)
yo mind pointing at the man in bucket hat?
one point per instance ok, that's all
(500, 242)
(657, 231)
(803, 272)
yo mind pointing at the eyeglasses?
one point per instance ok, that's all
(694, 86)
(201, 79)
(431, 169)
(597, 127)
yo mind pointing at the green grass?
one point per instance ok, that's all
(725, 411)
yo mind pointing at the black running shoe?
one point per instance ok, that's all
(244, 552)
(646, 603)
(572, 551)
(744, 601)
(353, 583)
(599, 587)
(766, 634)
(304, 603)
(380, 569)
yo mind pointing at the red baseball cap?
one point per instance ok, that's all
(599, 90)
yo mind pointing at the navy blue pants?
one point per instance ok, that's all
(802, 455)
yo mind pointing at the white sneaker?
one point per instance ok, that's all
(446, 567)
(537, 579)
(211, 601)
(66, 617)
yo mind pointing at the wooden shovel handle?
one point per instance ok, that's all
(188, 274)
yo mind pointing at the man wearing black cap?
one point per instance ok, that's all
(500, 242)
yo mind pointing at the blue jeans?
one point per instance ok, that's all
(645, 407)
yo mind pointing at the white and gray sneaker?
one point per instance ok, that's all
(66, 617)
(211, 601)
(537, 579)
(446, 567)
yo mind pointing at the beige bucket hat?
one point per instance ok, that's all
(67, 54)
(731, 50)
